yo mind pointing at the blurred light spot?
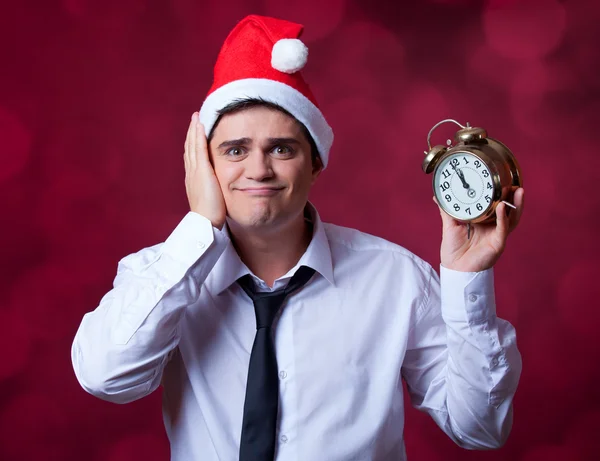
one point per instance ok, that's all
(368, 60)
(422, 106)
(490, 66)
(546, 101)
(37, 426)
(112, 12)
(553, 369)
(139, 446)
(549, 453)
(576, 289)
(80, 166)
(54, 298)
(207, 23)
(582, 435)
(583, 17)
(16, 144)
(455, 2)
(524, 29)
(15, 341)
(319, 18)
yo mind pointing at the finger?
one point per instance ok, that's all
(192, 143)
(501, 222)
(186, 145)
(201, 146)
(519, 202)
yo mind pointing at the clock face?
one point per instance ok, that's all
(463, 186)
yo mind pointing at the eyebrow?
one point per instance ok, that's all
(283, 141)
(234, 142)
(243, 141)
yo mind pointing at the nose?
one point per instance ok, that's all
(258, 166)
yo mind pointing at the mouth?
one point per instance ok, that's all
(261, 190)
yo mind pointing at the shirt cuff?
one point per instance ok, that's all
(192, 237)
(467, 296)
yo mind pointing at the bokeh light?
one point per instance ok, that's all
(37, 426)
(15, 340)
(319, 18)
(575, 288)
(524, 29)
(138, 446)
(16, 141)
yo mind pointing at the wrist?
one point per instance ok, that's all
(457, 267)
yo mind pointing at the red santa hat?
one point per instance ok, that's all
(261, 58)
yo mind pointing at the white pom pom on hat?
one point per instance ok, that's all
(289, 55)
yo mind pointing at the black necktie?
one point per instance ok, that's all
(262, 390)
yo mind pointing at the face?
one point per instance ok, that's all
(463, 186)
(263, 163)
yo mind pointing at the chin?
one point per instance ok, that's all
(253, 218)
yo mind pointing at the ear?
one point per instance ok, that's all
(316, 169)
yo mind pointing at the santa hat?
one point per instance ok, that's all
(261, 58)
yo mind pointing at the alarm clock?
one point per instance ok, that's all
(471, 177)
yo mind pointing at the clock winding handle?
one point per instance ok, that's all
(438, 124)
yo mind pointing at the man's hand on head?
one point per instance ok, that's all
(202, 187)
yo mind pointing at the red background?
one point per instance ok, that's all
(95, 99)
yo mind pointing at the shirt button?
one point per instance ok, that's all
(282, 374)
(283, 439)
(493, 363)
(472, 298)
(200, 244)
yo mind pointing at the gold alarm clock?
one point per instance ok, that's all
(471, 177)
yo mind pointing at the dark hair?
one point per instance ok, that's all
(247, 103)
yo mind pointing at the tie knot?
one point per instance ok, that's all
(267, 304)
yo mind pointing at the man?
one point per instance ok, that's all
(313, 372)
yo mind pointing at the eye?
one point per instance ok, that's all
(282, 150)
(234, 152)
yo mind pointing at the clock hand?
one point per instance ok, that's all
(461, 176)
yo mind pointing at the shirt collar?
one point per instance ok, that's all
(230, 267)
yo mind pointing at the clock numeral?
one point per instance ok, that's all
(456, 207)
(446, 174)
(489, 185)
(479, 207)
(485, 173)
(477, 163)
(487, 198)
(466, 161)
(448, 198)
(468, 210)
(445, 186)
(454, 162)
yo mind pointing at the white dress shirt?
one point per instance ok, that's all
(372, 314)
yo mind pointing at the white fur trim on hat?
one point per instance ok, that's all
(289, 55)
(278, 93)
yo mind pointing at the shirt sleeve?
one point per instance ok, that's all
(462, 364)
(121, 348)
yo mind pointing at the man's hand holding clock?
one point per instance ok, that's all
(487, 241)
(472, 181)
